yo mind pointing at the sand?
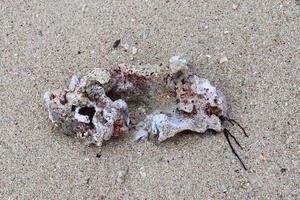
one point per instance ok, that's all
(44, 42)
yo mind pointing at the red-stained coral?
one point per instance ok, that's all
(179, 100)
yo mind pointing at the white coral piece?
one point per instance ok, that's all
(86, 110)
(198, 108)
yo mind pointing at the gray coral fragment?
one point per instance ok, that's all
(93, 107)
(171, 99)
(198, 107)
(84, 109)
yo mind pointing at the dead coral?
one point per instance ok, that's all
(85, 110)
(94, 108)
(197, 108)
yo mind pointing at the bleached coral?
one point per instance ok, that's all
(198, 107)
(84, 109)
(179, 101)
(171, 97)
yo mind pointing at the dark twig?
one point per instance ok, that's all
(233, 137)
(227, 134)
(233, 121)
(223, 119)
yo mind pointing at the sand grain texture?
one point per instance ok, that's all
(44, 42)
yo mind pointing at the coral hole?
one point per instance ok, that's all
(89, 111)
(113, 95)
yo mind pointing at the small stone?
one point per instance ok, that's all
(223, 60)
(98, 155)
(142, 172)
(125, 46)
(177, 60)
(84, 8)
(235, 6)
(41, 33)
(134, 50)
(226, 32)
(116, 43)
(88, 180)
(283, 170)
(208, 56)
(145, 34)
(122, 174)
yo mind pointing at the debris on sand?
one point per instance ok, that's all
(223, 60)
(85, 110)
(177, 60)
(121, 176)
(197, 108)
(93, 107)
(134, 50)
(235, 6)
(116, 43)
(143, 172)
(171, 99)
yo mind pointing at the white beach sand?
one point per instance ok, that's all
(44, 42)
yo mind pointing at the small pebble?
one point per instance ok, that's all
(142, 172)
(88, 180)
(283, 170)
(145, 34)
(177, 60)
(235, 6)
(41, 33)
(125, 46)
(134, 50)
(116, 43)
(223, 60)
(83, 8)
(122, 175)
(98, 155)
